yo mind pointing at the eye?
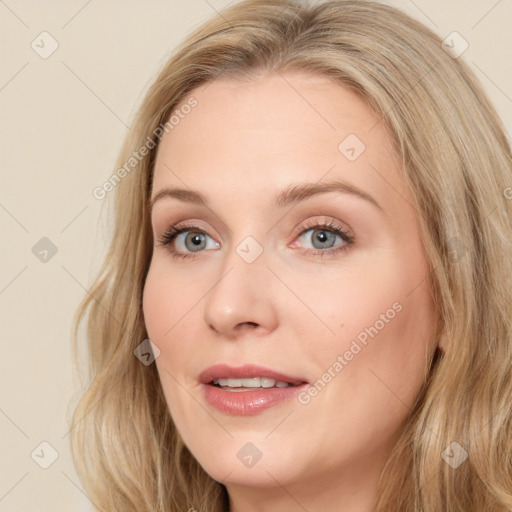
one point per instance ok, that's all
(323, 238)
(185, 240)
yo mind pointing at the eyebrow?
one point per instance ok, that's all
(291, 195)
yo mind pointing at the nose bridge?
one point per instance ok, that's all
(242, 294)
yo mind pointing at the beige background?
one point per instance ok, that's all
(63, 120)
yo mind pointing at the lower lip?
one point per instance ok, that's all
(247, 403)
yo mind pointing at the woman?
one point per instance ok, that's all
(314, 233)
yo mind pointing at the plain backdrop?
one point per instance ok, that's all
(63, 118)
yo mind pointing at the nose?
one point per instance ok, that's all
(243, 299)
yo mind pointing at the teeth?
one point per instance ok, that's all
(253, 382)
(267, 383)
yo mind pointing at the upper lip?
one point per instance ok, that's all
(246, 371)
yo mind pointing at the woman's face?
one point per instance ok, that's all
(302, 266)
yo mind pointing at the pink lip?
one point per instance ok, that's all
(246, 403)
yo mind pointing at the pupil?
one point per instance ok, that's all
(197, 241)
(323, 238)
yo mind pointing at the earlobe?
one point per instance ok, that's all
(441, 345)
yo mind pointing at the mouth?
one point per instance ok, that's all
(231, 384)
(247, 376)
(249, 389)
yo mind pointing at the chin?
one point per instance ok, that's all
(248, 461)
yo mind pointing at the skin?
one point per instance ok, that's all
(290, 310)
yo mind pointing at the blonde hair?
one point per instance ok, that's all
(457, 162)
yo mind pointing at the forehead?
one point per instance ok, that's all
(290, 101)
(272, 130)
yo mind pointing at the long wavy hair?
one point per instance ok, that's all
(457, 162)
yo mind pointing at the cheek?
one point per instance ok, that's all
(167, 299)
(370, 371)
(343, 304)
(156, 304)
(168, 310)
(379, 317)
(172, 306)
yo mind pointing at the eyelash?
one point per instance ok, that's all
(172, 232)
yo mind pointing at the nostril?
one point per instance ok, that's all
(246, 325)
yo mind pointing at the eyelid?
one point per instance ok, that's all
(328, 224)
(191, 225)
(320, 221)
